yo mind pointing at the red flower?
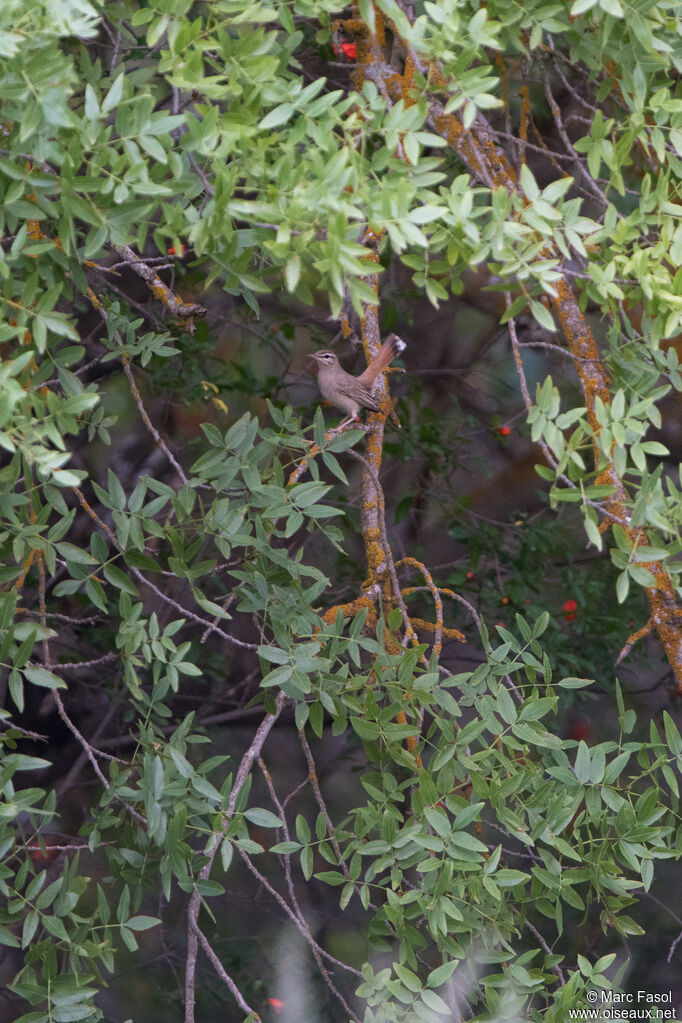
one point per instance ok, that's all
(569, 609)
(349, 50)
(505, 600)
(504, 431)
(276, 1004)
(470, 575)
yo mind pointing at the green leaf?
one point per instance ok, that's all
(435, 1003)
(117, 578)
(142, 923)
(367, 730)
(442, 973)
(612, 7)
(543, 316)
(91, 103)
(426, 214)
(43, 677)
(508, 878)
(286, 848)
(672, 734)
(262, 818)
(582, 762)
(278, 676)
(113, 97)
(302, 829)
(575, 683)
(463, 840)
(408, 978)
(332, 877)
(278, 116)
(622, 587)
(75, 554)
(292, 272)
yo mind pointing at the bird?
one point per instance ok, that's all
(350, 393)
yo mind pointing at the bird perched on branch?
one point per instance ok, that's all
(350, 393)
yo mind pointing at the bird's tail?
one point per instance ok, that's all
(391, 348)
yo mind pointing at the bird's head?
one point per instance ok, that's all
(324, 358)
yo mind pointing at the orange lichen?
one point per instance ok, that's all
(24, 571)
(349, 610)
(33, 229)
(96, 304)
(437, 627)
(450, 633)
(296, 473)
(177, 306)
(407, 82)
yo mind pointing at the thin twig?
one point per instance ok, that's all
(147, 421)
(73, 665)
(315, 785)
(304, 927)
(208, 187)
(220, 969)
(316, 949)
(194, 905)
(563, 135)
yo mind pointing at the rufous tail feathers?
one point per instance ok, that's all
(391, 348)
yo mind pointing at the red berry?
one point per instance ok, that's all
(504, 431)
(349, 50)
(505, 600)
(470, 575)
(569, 609)
(276, 1004)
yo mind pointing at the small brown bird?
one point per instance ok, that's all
(350, 393)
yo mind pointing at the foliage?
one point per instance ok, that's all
(279, 165)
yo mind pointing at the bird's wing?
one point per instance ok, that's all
(358, 392)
